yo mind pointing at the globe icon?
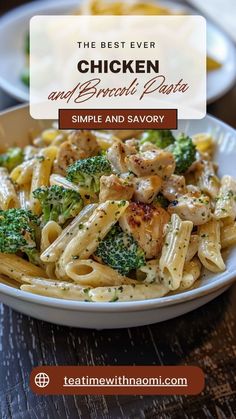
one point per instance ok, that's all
(41, 380)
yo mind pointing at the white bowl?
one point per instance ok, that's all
(15, 125)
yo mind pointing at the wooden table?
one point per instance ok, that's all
(205, 337)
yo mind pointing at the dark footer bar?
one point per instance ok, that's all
(117, 380)
(118, 119)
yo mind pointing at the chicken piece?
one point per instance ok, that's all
(80, 145)
(85, 142)
(116, 155)
(197, 165)
(172, 187)
(146, 224)
(152, 162)
(125, 134)
(131, 146)
(193, 190)
(208, 182)
(146, 188)
(66, 156)
(191, 208)
(114, 187)
(147, 146)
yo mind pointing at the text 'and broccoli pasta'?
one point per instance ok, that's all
(106, 216)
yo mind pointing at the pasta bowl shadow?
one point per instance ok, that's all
(16, 127)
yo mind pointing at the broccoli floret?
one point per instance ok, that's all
(27, 44)
(25, 76)
(184, 152)
(11, 158)
(160, 201)
(120, 251)
(25, 73)
(160, 138)
(87, 172)
(18, 229)
(58, 203)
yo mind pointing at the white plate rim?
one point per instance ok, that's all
(227, 278)
(15, 91)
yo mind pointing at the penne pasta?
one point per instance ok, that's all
(49, 135)
(62, 181)
(91, 232)
(8, 195)
(192, 248)
(9, 282)
(16, 268)
(41, 174)
(30, 152)
(150, 272)
(208, 182)
(191, 273)
(209, 251)
(226, 222)
(228, 235)
(54, 136)
(226, 203)
(56, 289)
(24, 196)
(50, 232)
(22, 174)
(50, 269)
(55, 250)
(89, 272)
(128, 292)
(174, 252)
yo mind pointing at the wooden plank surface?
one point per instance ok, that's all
(205, 337)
